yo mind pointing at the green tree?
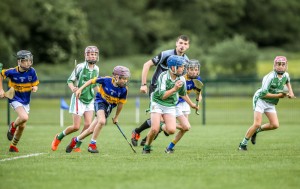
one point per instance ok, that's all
(54, 31)
(233, 58)
(271, 22)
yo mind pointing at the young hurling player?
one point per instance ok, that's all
(183, 108)
(170, 84)
(83, 106)
(265, 99)
(112, 93)
(24, 80)
(160, 61)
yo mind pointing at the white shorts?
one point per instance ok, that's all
(15, 104)
(263, 106)
(81, 106)
(157, 108)
(183, 109)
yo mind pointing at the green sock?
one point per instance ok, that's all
(147, 147)
(61, 136)
(78, 144)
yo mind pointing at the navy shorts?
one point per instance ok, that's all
(107, 108)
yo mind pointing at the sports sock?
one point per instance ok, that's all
(144, 126)
(171, 145)
(147, 147)
(15, 141)
(93, 141)
(245, 141)
(61, 135)
(78, 144)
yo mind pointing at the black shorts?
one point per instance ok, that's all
(107, 108)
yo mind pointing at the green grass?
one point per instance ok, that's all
(206, 157)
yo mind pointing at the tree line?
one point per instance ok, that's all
(57, 31)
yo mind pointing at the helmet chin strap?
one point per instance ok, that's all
(280, 72)
(91, 61)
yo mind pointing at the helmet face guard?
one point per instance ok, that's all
(121, 75)
(193, 68)
(25, 59)
(280, 65)
(89, 54)
(176, 61)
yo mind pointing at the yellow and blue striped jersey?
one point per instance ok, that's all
(190, 86)
(108, 93)
(22, 82)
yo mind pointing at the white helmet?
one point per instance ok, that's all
(91, 49)
(193, 64)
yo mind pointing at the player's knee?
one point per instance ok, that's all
(101, 122)
(154, 131)
(24, 118)
(171, 131)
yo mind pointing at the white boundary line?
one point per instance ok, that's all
(19, 157)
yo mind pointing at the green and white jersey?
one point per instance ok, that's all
(84, 74)
(165, 83)
(271, 84)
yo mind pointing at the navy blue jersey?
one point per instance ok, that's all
(22, 82)
(190, 86)
(108, 93)
(160, 61)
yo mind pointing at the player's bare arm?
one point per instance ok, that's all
(146, 68)
(118, 111)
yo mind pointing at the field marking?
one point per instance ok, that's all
(19, 157)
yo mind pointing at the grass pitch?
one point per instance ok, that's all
(206, 157)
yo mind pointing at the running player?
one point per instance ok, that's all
(24, 80)
(265, 99)
(170, 84)
(112, 93)
(183, 108)
(160, 61)
(83, 106)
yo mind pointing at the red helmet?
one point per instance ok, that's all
(281, 59)
(91, 49)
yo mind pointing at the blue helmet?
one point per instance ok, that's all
(175, 60)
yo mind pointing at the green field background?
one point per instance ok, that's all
(207, 156)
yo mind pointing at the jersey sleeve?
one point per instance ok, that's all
(266, 84)
(157, 59)
(35, 81)
(76, 70)
(182, 90)
(162, 84)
